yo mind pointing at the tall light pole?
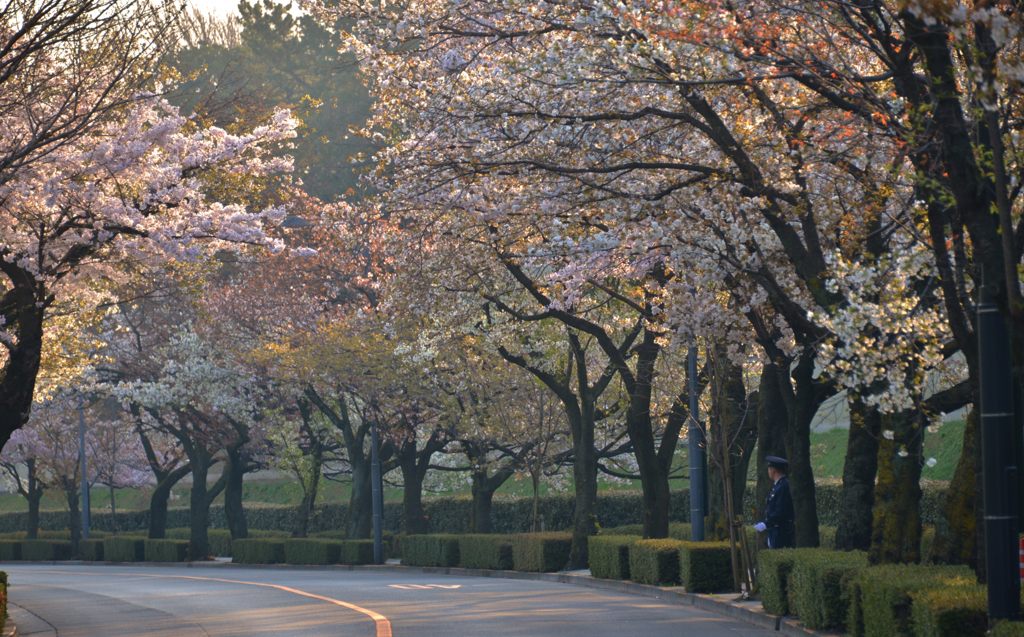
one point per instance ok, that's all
(999, 462)
(695, 437)
(81, 455)
(377, 498)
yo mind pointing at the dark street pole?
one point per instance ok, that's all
(999, 470)
(85, 479)
(698, 463)
(378, 499)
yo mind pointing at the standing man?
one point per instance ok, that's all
(778, 512)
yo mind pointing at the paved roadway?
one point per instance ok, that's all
(78, 600)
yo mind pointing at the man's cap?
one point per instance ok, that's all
(775, 460)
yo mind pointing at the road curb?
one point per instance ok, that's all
(749, 612)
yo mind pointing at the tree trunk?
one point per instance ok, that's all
(956, 531)
(416, 522)
(158, 501)
(896, 534)
(199, 514)
(113, 510)
(24, 317)
(484, 487)
(71, 492)
(584, 471)
(234, 469)
(805, 402)
(360, 506)
(857, 501)
(34, 495)
(311, 486)
(772, 423)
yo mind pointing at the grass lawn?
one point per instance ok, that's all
(828, 452)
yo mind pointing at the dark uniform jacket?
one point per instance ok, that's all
(779, 516)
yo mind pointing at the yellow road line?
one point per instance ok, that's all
(382, 623)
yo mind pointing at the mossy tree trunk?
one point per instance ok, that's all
(957, 528)
(200, 499)
(896, 532)
(803, 394)
(857, 501)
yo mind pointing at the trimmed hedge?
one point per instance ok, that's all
(493, 552)
(430, 550)
(354, 552)
(166, 550)
(91, 550)
(1007, 629)
(258, 551)
(541, 552)
(46, 550)
(706, 567)
(124, 549)
(820, 594)
(10, 550)
(312, 551)
(3, 600)
(881, 597)
(957, 611)
(390, 540)
(655, 561)
(609, 555)
(220, 539)
(773, 570)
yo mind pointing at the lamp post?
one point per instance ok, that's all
(377, 498)
(81, 455)
(999, 468)
(695, 437)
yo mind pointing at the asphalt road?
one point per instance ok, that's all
(72, 600)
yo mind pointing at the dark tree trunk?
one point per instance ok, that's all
(34, 495)
(235, 467)
(24, 317)
(158, 501)
(360, 506)
(772, 424)
(857, 502)
(200, 500)
(956, 531)
(414, 464)
(584, 472)
(484, 486)
(113, 510)
(896, 533)
(805, 398)
(71, 492)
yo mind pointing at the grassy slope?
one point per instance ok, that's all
(828, 451)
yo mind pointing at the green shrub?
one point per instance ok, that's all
(91, 550)
(773, 570)
(626, 529)
(1007, 629)
(166, 550)
(10, 550)
(258, 551)
(124, 549)
(682, 531)
(3, 600)
(609, 555)
(312, 551)
(430, 550)
(355, 552)
(820, 595)
(220, 539)
(541, 552)
(706, 567)
(486, 552)
(881, 602)
(827, 537)
(259, 534)
(390, 541)
(46, 550)
(955, 611)
(655, 561)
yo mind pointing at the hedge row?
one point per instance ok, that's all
(3, 600)
(837, 591)
(701, 567)
(453, 514)
(307, 551)
(533, 552)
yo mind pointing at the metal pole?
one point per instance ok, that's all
(85, 479)
(378, 500)
(999, 470)
(698, 463)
